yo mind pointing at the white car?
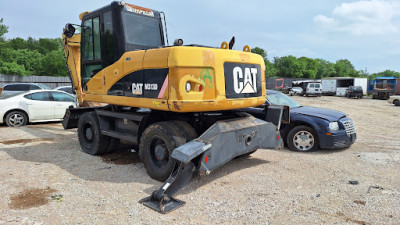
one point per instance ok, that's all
(296, 91)
(67, 89)
(394, 99)
(14, 88)
(34, 106)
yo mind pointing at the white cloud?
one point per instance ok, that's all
(363, 17)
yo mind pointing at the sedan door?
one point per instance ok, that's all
(62, 101)
(39, 106)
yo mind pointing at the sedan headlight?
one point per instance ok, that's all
(333, 126)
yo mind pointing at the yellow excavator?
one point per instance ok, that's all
(179, 104)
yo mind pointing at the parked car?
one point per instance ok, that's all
(354, 91)
(310, 128)
(67, 89)
(296, 91)
(34, 106)
(14, 88)
(313, 89)
(394, 99)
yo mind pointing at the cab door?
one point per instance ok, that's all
(97, 47)
(91, 48)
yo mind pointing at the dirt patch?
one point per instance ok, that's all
(121, 157)
(31, 198)
(24, 141)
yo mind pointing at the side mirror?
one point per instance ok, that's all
(277, 114)
(69, 30)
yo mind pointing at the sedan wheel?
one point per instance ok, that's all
(302, 138)
(16, 119)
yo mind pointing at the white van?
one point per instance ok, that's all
(313, 89)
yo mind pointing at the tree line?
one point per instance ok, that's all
(304, 67)
(45, 57)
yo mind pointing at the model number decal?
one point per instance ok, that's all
(244, 82)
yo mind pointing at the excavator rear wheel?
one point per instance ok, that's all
(156, 145)
(91, 140)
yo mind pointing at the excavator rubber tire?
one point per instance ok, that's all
(187, 129)
(90, 138)
(156, 145)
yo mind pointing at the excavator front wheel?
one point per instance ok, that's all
(156, 145)
(90, 138)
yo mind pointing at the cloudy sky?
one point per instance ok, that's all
(364, 32)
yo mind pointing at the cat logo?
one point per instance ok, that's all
(245, 83)
(137, 89)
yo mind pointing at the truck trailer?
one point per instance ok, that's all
(330, 85)
(384, 87)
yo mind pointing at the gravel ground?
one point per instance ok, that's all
(47, 179)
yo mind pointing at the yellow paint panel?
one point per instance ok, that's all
(156, 58)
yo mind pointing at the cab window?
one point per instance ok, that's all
(91, 48)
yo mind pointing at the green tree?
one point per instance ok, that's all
(12, 68)
(325, 69)
(261, 52)
(288, 66)
(270, 70)
(344, 68)
(309, 67)
(387, 73)
(3, 30)
(53, 64)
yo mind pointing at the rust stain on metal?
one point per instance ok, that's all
(176, 106)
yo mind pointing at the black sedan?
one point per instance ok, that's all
(310, 128)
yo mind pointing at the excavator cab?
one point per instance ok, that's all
(109, 32)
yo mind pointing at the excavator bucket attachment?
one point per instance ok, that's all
(221, 143)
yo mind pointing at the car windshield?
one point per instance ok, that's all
(277, 98)
(297, 88)
(43, 86)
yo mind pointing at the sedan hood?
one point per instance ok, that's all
(327, 114)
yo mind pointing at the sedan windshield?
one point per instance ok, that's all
(278, 98)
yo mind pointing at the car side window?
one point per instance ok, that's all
(34, 87)
(68, 90)
(14, 87)
(23, 87)
(8, 87)
(40, 96)
(61, 97)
